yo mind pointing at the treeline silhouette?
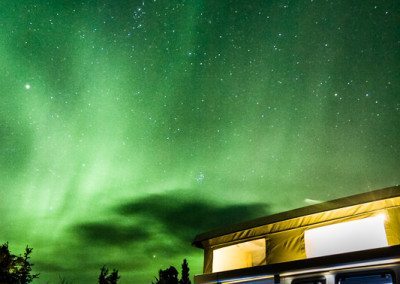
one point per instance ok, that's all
(170, 275)
(18, 270)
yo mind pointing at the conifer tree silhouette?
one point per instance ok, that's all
(15, 269)
(185, 273)
(108, 278)
(167, 276)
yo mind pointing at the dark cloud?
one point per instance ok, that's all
(185, 217)
(160, 218)
(110, 234)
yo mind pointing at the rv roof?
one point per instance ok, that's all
(317, 208)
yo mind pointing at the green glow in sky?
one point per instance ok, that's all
(126, 127)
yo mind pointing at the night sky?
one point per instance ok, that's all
(127, 127)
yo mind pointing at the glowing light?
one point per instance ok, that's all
(312, 201)
(27, 86)
(348, 236)
(241, 255)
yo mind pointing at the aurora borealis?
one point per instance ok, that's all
(127, 127)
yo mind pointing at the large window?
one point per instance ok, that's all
(247, 254)
(366, 278)
(344, 237)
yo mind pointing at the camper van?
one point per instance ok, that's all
(352, 240)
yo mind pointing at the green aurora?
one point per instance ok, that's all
(126, 127)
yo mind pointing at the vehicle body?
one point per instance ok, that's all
(348, 240)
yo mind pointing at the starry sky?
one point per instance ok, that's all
(127, 127)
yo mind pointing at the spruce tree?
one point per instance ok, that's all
(185, 273)
(108, 278)
(15, 269)
(167, 276)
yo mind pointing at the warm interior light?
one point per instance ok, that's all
(348, 236)
(247, 254)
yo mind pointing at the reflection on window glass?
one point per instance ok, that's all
(263, 281)
(381, 278)
(309, 281)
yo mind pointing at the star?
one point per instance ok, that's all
(200, 177)
(27, 86)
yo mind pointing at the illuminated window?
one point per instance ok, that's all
(367, 233)
(247, 254)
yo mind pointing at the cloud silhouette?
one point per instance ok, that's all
(110, 233)
(185, 217)
(160, 217)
